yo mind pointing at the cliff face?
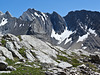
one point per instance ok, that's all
(48, 44)
(78, 29)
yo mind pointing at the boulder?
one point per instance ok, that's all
(11, 37)
(61, 73)
(95, 58)
(5, 72)
(64, 65)
(84, 69)
(3, 65)
(2, 58)
(48, 73)
(10, 68)
(29, 55)
(6, 53)
(10, 46)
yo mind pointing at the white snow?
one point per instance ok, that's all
(84, 47)
(92, 31)
(3, 22)
(61, 37)
(37, 14)
(15, 24)
(85, 27)
(45, 16)
(67, 40)
(42, 18)
(80, 23)
(20, 25)
(82, 38)
(33, 16)
(23, 24)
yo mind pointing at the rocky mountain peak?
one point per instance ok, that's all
(58, 22)
(8, 14)
(51, 43)
(1, 13)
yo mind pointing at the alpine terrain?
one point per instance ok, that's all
(40, 43)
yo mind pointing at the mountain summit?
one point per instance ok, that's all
(77, 30)
(40, 43)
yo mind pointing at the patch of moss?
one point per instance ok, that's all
(84, 55)
(62, 58)
(33, 53)
(91, 65)
(3, 42)
(26, 71)
(75, 62)
(22, 51)
(11, 62)
(20, 38)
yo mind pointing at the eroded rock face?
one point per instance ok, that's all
(10, 46)
(39, 54)
(64, 65)
(6, 52)
(10, 68)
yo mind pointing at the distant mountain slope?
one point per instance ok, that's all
(77, 30)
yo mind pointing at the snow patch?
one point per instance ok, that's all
(84, 47)
(3, 22)
(33, 16)
(45, 16)
(15, 24)
(85, 27)
(67, 40)
(37, 14)
(20, 25)
(23, 24)
(92, 31)
(61, 37)
(82, 38)
(42, 18)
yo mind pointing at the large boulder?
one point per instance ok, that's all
(2, 58)
(11, 37)
(95, 58)
(3, 65)
(29, 55)
(6, 53)
(10, 46)
(64, 65)
(11, 68)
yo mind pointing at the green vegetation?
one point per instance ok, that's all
(82, 55)
(91, 65)
(75, 62)
(3, 42)
(20, 38)
(62, 58)
(33, 53)
(22, 70)
(11, 62)
(22, 51)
